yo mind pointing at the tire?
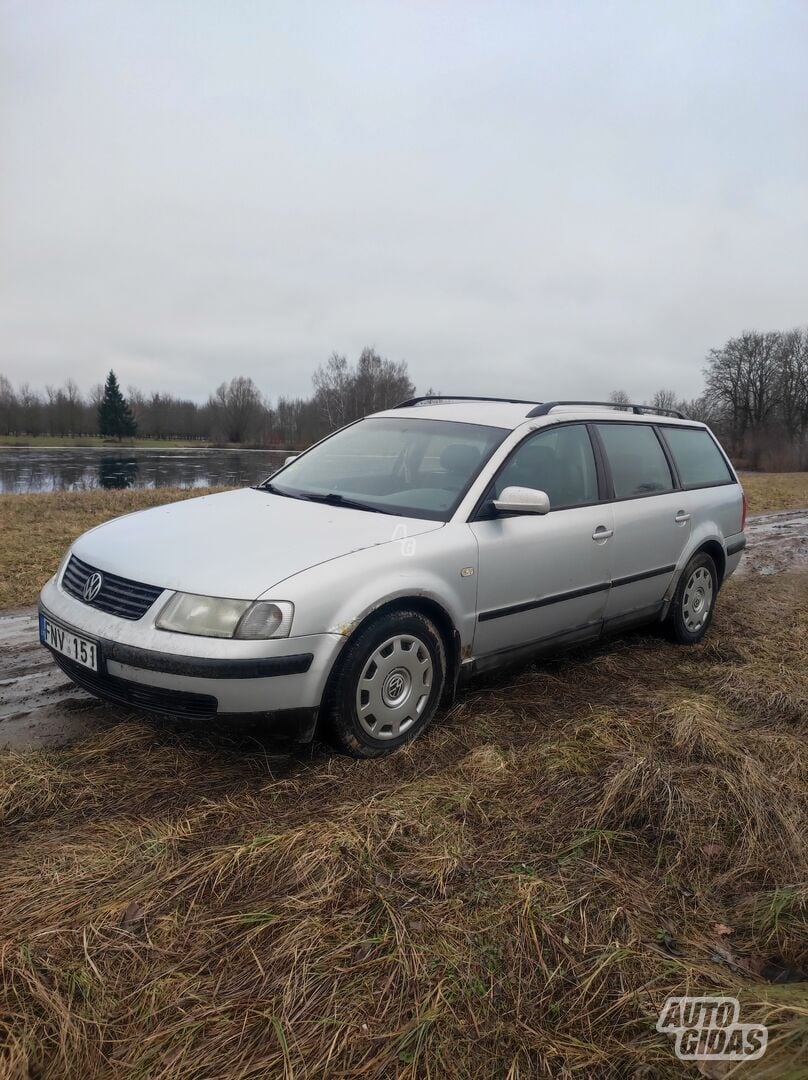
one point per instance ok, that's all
(387, 685)
(693, 605)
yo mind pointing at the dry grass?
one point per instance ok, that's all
(512, 896)
(37, 530)
(775, 491)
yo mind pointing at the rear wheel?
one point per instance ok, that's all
(693, 604)
(388, 685)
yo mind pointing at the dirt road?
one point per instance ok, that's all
(39, 707)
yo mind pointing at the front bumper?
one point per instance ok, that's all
(141, 667)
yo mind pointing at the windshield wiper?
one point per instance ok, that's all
(331, 499)
(267, 486)
(335, 499)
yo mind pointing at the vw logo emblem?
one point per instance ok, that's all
(92, 587)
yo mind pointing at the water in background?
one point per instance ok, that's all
(82, 469)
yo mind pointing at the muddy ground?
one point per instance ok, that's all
(776, 542)
(39, 707)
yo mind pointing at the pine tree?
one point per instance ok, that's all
(115, 418)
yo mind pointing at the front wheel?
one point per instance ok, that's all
(693, 604)
(387, 686)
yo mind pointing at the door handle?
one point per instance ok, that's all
(682, 518)
(602, 533)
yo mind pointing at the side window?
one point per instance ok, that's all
(559, 461)
(697, 458)
(638, 462)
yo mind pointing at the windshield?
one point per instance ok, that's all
(416, 468)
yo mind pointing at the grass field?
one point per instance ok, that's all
(37, 529)
(775, 491)
(514, 895)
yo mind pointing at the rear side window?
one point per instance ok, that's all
(637, 460)
(698, 459)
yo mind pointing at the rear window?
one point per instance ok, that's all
(637, 460)
(698, 459)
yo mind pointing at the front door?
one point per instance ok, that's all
(542, 577)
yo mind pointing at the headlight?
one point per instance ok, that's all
(213, 616)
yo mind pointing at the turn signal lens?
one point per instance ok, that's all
(266, 619)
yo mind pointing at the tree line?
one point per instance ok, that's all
(755, 398)
(236, 412)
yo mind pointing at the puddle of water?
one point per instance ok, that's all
(86, 468)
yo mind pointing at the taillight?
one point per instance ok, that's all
(743, 512)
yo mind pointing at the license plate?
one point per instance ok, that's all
(73, 646)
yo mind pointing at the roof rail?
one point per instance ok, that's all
(459, 397)
(544, 408)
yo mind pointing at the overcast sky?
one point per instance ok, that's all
(538, 199)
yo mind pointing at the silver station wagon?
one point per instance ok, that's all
(364, 581)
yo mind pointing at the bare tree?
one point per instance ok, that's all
(664, 400)
(238, 410)
(332, 388)
(379, 383)
(742, 377)
(296, 422)
(619, 398)
(73, 408)
(8, 407)
(30, 410)
(702, 409)
(344, 394)
(793, 383)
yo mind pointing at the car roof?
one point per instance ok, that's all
(511, 415)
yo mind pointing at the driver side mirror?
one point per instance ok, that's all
(522, 500)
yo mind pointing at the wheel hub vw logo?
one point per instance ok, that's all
(92, 587)
(395, 686)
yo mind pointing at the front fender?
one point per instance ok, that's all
(338, 595)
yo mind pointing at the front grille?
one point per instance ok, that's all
(154, 699)
(117, 596)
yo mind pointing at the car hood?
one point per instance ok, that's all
(236, 544)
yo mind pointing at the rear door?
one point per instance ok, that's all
(716, 500)
(541, 577)
(651, 518)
